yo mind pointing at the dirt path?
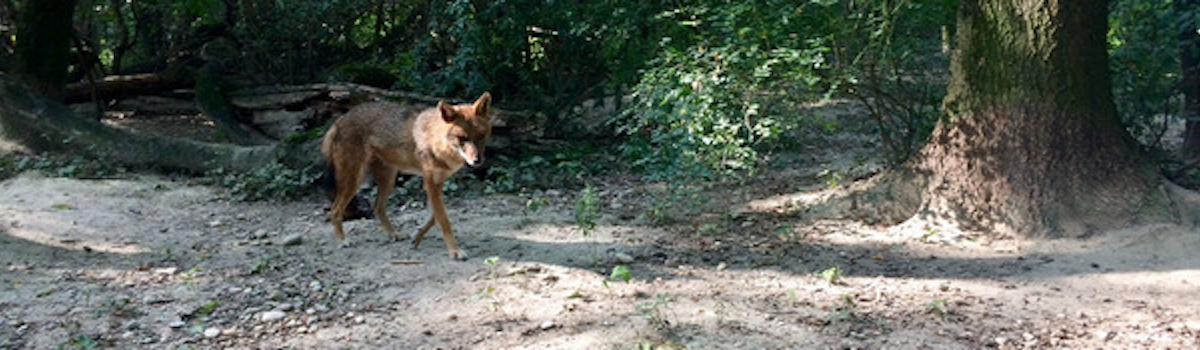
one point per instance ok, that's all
(152, 263)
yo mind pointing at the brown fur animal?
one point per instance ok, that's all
(387, 138)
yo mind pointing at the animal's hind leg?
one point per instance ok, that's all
(349, 171)
(385, 180)
(421, 233)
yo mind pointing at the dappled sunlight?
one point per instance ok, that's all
(58, 230)
(783, 203)
(568, 234)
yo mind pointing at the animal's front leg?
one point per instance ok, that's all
(433, 189)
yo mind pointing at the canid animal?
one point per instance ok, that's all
(387, 138)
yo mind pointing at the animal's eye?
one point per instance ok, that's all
(462, 139)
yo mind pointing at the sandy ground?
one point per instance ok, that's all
(156, 263)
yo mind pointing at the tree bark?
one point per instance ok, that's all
(1189, 51)
(1031, 144)
(32, 124)
(44, 44)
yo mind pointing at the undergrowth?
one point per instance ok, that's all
(273, 181)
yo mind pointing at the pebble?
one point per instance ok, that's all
(273, 315)
(212, 332)
(293, 239)
(284, 307)
(177, 324)
(548, 325)
(359, 319)
(722, 266)
(315, 286)
(623, 258)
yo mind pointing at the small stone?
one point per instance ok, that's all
(214, 223)
(623, 258)
(553, 193)
(212, 332)
(722, 266)
(548, 325)
(177, 324)
(284, 307)
(293, 239)
(360, 319)
(315, 286)
(273, 315)
(259, 234)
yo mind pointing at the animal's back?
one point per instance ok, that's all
(381, 124)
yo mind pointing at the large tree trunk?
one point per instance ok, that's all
(32, 124)
(1031, 144)
(44, 44)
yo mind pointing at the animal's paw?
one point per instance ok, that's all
(458, 254)
(398, 237)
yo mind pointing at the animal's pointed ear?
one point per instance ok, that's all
(447, 111)
(483, 106)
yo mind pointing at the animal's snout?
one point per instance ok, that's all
(471, 155)
(475, 161)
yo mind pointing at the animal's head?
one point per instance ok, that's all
(470, 127)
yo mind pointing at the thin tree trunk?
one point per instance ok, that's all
(1189, 51)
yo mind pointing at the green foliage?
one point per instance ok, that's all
(656, 311)
(547, 52)
(831, 275)
(938, 307)
(208, 308)
(564, 166)
(732, 79)
(1144, 60)
(82, 341)
(620, 273)
(892, 58)
(59, 166)
(846, 309)
(587, 210)
(274, 181)
(377, 75)
(260, 265)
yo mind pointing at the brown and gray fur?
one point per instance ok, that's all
(389, 138)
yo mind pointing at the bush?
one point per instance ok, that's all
(731, 79)
(1144, 60)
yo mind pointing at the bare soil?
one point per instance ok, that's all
(149, 262)
(152, 262)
